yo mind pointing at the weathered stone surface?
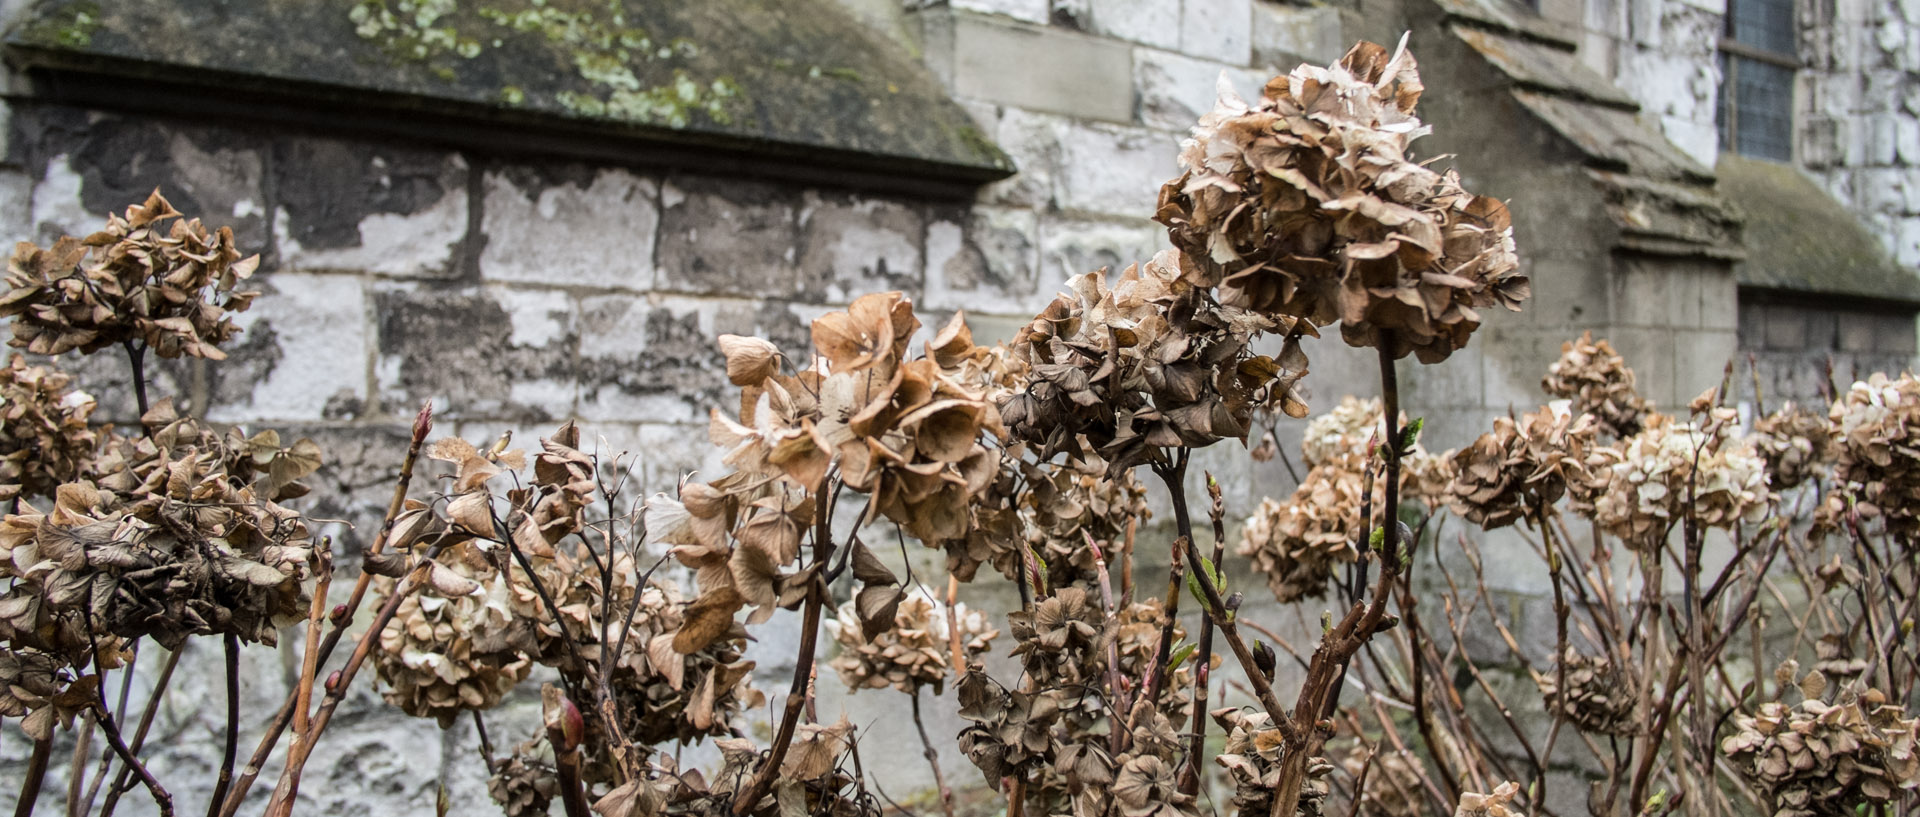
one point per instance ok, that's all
(1284, 35)
(1154, 24)
(383, 210)
(302, 356)
(572, 227)
(1115, 170)
(850, 246)
(1060, 71)
(724, 73)
(1034, 141)
(92, 165)
(1175, 90)
(1032, 11)
(655, 359)
(485, 352)
(1071, 247)
(985, 260)
(1218, 30)
(725, 236)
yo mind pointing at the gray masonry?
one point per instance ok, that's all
(518, 273)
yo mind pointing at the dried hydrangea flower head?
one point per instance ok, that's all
(45, 439)
(525, 783)
(1125, 368)
(43, 690)
(1067, 504)
(445, 652)
(1797, 444)
(915, 652)
(1671, 469)
(149, 276)
(1816, 759)
(1497, 804)
(1299, 541)
(1879, 466)
(1306, 204)
(1521, 466)
(1600, 698)
(1251, 757)
(1597, 381)
(182, 535)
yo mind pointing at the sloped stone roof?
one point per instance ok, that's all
(1661, 199)
(1799, 239)
(794, 84)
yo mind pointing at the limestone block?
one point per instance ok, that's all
(1285, 35)
(1031, 11)
(1115, 170)
(1906, 242)
(675, 450)
(1175, 90)
(1218, 30)
(16, 205)
(302, 354)
(850, 246)
(1642, 295)
(985, 260)
(727, 236)
(1033, 140)
(1042, 68)
(382, 210)
(655, 359)
(489, 352)
(1699, 361)
(1070, 247)
(1154, 24)
(573, 227)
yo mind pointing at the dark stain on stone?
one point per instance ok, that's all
(729, 236)
(680, 359)
(458, 346)
(329, 186)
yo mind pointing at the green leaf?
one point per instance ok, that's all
(1411, 434)
(1180, 655)
(1377, 539)
(1213, 573)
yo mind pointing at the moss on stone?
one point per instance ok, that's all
(793, 72)
(1799, 238)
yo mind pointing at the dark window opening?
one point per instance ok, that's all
(1757, 63)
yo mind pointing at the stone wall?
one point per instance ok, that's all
(1859, 112)
(516, 292)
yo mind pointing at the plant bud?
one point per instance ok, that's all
(339, 615)
(333, 683)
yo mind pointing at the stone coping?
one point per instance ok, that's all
(794, 88)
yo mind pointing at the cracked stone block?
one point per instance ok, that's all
(1115, 170)
(1154, 24)
(491, 352)
(1033, 140)
(727, 236)
(984, 260)
(850, 246)
(1176, 90)
(1218, 30)
(569, 226)
(656, 360)
(1069, 247)
(92, 165)
(302, 353)
(376, 209)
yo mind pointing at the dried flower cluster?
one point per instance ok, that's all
(1298, 542)
(1520, 467)
(45, 438)
(1816, 759)
(1879, 467)
(445, 653)
(182, 535)
(168, 286)
(1497, 804)
(1122, 370)
(1671, 469)
(1798, 445)
(1597, 381)
(1066, 505)
(1306, 204)
(1053, 738)
(1600, 699)
(1251, 757)
(914, 652)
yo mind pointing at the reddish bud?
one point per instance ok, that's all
(423, 422)
(339, 614)
(333, 683)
